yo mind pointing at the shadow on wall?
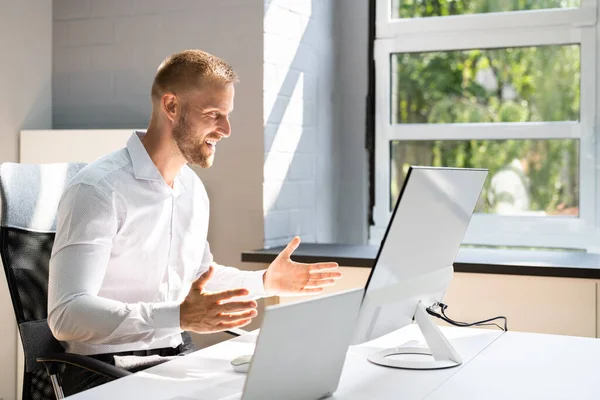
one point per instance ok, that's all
(298, 69)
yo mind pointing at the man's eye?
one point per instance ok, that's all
(214, 115)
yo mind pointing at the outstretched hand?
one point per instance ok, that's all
(285, 276)
(203, 311)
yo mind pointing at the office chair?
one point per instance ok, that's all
(29, 195)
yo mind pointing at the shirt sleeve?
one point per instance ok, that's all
(86, 224)
(225, 278)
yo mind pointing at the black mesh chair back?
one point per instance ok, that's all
(29, 195)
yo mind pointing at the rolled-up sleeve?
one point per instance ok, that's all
(87, 223)
(225, 278)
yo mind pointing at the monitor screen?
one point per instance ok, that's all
(415, 258)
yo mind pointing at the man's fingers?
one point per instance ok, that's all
(229, 325)
(309, 290)
(201, 282)
(321, 266)
(226, 317)
(325, 275)
(236, 306)
(229, 294)
(289, 249)
(313, 283)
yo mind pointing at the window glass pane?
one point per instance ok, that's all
(441, 8)
(524, 84)
(526, 177)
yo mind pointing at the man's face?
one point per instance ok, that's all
(203, 121)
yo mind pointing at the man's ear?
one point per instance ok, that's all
(170, 105)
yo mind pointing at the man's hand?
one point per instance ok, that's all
(203, 312)
(285, 276)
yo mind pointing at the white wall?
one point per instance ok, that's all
(301, 161)
(351, 87)
(25, 103)
(25, 70)
(315, 88)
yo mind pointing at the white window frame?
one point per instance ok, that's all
(486, 31)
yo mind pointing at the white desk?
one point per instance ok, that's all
(495, 366)
(529, 366)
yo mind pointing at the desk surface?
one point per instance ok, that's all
(529, 366)
(207, 374)
(496, 366)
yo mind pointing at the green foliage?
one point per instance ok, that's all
(553, 166)
(441, 8)
(528, 84)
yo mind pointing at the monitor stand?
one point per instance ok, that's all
(444, 355)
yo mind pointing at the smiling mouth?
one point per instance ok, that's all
(212, 144)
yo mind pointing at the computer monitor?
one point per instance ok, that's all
(414, 265)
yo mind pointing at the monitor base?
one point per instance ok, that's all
(444, 355)
(382, 358)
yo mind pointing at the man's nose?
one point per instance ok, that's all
(225, 127)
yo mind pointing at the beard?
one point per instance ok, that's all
(192, 150)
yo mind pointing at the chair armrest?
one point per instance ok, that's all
(89, 363)
(236, 331)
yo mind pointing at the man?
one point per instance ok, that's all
(131, 268)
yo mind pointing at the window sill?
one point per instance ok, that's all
(563, 264)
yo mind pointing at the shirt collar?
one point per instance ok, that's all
(143, 166)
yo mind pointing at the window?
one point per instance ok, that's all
(505, 85)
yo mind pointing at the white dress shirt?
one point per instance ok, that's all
(127, 250)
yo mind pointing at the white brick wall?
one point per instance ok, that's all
(90, 31)
(299, 169)
(106, 52)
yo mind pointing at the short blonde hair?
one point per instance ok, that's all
(190, 69)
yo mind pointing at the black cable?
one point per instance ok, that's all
(464, 324)
(444, 317)
(492, 324)
(479, 323)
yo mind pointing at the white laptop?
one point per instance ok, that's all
(300, 350)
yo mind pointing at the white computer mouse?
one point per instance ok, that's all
(241, 363)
